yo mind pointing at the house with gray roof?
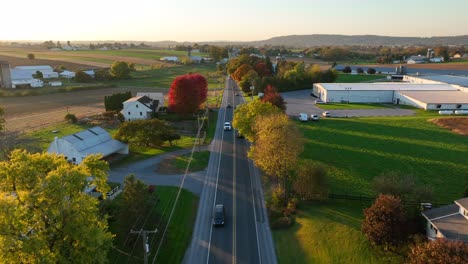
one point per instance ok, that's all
(449, 222)
(78, 146)
(139, 107)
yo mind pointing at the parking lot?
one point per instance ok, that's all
(302, 102)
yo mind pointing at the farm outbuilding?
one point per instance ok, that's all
(46, 70)
(78, 146)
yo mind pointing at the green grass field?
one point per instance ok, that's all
(336, 106)
(199, 161)
(355, 150)
(328, 232)
(163, 78)
(356, 78)
(178, 235)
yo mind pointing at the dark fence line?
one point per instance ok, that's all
(362, 198)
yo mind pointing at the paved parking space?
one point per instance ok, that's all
(302, 102)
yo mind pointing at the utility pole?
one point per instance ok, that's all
(144, 235)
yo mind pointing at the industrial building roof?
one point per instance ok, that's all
(450, 79)
(386, 86)
(438, 97)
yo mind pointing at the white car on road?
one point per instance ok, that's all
(227, 126)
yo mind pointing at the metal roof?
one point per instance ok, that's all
(458, 80)
(35, 68)
(463, 202)
(386, 86)
(94, 141)
(438, 97)
(449, 221)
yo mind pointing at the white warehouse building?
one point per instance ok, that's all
(435, 96)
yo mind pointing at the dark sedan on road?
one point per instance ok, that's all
(218, 217)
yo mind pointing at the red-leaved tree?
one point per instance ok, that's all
(274, 98)
(241, 71)
(384, 220)
(440, 251)
(187, 93)
(262, 69)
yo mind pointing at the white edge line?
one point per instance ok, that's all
(216, 187)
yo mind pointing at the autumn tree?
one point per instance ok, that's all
(440, 251)
(31, 56)
(187, 93)
(274, 98)
(383, 221)
(263, 69)
(45, 216)
(277, 146)
(241, 71)
(120, 70)
(83, 77)
(310, 181)
(153, 132)
(245, 114)
(347, 69)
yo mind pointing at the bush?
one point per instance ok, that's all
(71, 118)
(311, 182)
(347, 69)
(282, 222)
(103, 75)
(360, 70)
(277, 197)
(439, 251)
(83, 77)
(371, 71)
(31, 56)
(109, 115)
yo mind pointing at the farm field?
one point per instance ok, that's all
(458, 125)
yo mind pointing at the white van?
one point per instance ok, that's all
(302, 117)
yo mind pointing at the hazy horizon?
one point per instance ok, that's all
(212, 21)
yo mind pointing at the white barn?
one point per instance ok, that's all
(46, 70)
(20, 77)
(78, 146)
(139, 107)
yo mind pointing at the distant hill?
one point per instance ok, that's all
(361, 40)
(357, 40)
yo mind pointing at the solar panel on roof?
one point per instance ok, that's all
(77, 137)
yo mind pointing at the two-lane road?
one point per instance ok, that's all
(231, 180)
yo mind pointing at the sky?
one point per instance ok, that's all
(215, 20)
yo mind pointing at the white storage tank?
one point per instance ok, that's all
(445, 112)
(461, 112)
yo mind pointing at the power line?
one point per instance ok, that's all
(180, 187)
(144, 235)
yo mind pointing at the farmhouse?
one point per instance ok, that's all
(46, 70)
(139, 107)
(78, 146)
(155, 97)
(450, 222)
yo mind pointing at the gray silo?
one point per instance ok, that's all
(5, 75)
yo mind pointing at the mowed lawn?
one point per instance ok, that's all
(328, 232)
(355, 150)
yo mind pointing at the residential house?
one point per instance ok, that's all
(416, 59)
(155, 97)
(46, 70)
(450, 222)
(78, 146)
(139, 107)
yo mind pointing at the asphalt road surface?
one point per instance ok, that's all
(233, 181)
